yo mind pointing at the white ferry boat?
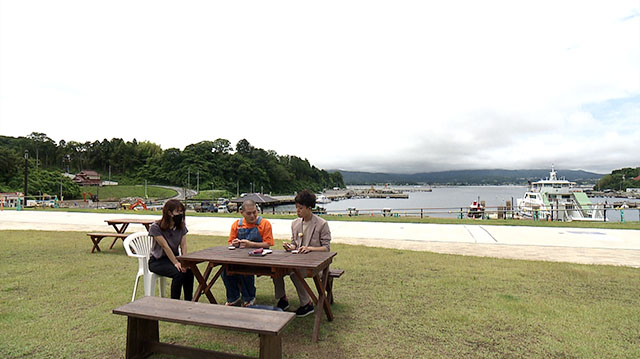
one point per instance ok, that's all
(558, 199)
(323, 199)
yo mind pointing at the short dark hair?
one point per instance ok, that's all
(306, 198)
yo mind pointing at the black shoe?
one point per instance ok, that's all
(283, 304)
(304, 310)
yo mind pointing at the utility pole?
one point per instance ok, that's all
(188, 177)
(26, 174)
(198, 183)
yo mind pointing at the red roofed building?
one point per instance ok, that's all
(636, 178)
(87, 178)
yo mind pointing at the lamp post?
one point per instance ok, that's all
(26, 175)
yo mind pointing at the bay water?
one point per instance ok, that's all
(446, 201)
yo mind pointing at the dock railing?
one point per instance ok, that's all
(610, 213)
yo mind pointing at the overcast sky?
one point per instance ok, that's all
(402, 86)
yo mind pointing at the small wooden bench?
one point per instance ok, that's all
(144, 314)
(333, 273)
(96, 237)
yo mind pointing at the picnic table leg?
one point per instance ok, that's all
(114, 242)
(321, 286)
(203, 283)
(330, 289)
(199, 289)
(215, 278)
(96, 241)
(322, 300)
(270, 346)
(121, 230)
(140, 332)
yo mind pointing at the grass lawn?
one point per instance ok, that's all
(111, 192)
(209, 195)
(56, 300)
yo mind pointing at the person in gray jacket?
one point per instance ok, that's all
(309, 233)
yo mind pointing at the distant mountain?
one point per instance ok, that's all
(467, 177)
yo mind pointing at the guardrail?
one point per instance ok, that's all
(609, 213)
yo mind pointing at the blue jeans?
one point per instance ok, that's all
(236, 284)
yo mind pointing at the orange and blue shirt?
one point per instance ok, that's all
(257, 232)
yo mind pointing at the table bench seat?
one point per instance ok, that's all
(144, 314)
(96, 237)
(333, 273)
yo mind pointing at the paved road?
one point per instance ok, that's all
(180, 190)
(592, 246)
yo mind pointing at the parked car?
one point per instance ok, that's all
(206, 206)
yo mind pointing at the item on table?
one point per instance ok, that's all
(257, 252)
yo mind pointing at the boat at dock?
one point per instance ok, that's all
(476, 210)
(323, 199)
(558, 199)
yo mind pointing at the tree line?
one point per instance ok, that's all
(216, 164)
(620, 179)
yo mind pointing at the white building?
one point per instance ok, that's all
(10, 199)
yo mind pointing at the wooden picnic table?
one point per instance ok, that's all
(121, 224)
(279, 263)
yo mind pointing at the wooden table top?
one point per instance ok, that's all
(276, 259)
(130, 220)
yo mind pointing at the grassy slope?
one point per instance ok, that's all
(209, 195)
(56, 301)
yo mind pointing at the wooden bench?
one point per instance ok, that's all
(96, 237)
(333, 273)
(144, 314)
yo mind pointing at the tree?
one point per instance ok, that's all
(243, 147)
(9, 160)
(132, 162)
(221, 146)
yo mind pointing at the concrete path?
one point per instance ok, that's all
(577, 245)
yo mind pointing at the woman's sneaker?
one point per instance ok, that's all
(283, 304)
(233, 304)
(304, 310)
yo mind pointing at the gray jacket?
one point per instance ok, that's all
(320, 233)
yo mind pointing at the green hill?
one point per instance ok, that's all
(467, 177)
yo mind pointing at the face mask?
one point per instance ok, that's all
(177, 220)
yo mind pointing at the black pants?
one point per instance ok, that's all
(179, 280)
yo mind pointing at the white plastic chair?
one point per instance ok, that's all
(139, 245)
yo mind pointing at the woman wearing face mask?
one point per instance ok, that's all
(169, 233)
